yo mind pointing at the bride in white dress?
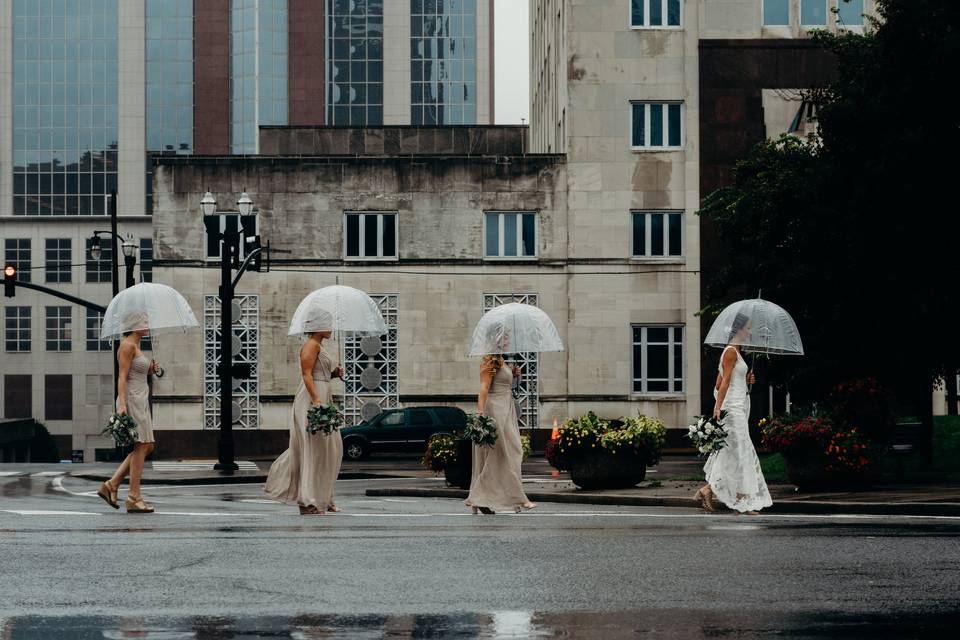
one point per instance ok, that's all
(733, 473)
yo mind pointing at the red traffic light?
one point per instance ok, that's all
(9, 272)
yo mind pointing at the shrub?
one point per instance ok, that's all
(844, 448)
(441, 451)
(641, 435)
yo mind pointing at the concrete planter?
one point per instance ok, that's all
(459, 473)
(601, 469)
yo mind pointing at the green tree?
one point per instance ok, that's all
(856, 232)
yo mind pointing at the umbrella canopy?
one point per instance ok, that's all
(148, 305)
(757, 326)
(338, 308)
(515, 328)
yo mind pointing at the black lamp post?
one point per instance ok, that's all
(229, 240)
(129, 248)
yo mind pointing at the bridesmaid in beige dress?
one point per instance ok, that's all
(306, 472)
(496, 484)
(133, 399)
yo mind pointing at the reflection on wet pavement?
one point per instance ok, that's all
(678, 624)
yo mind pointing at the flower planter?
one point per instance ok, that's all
(807, 468)
(601, 469)
(459, 473)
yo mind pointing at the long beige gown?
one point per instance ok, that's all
(138, 397)
(306, 472)
(496, 482)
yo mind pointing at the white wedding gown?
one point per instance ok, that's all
(734, 472)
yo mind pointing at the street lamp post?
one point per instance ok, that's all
(129, 248)
(229, 240)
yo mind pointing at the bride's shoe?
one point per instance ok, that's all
(109, 494)
(135, 504)
(705, 497)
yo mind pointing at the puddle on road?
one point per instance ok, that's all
(666, 623)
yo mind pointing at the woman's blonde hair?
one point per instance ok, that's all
(491, 364)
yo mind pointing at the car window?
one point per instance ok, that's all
(451, 416)
(420, 418)
(394, 419)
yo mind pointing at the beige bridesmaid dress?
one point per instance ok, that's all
(138, 397)
(306, 472)
(496, 483)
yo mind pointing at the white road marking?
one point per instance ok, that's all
(41, 474)
(199, 465)
(258, 501)
(9, 474)
(397, 500)
(44, 512)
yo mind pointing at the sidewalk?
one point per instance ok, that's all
(672, 483)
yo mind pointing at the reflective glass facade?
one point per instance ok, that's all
(259, 51)
(443, 62)
(355, 62)
(169, 77)
(65, 75)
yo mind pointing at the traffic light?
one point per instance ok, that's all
(9, 280)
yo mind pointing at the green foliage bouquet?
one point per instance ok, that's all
(326, 419)
(123, 429)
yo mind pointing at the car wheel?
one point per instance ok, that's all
(355, 449)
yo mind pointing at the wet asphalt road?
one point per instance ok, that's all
(221, 562)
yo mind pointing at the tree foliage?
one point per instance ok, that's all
(856, 233)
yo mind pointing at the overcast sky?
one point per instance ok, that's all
(512, 66)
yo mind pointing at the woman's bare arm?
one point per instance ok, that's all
(486, 378)
(728, 361)
(308, 358)
(124, 358)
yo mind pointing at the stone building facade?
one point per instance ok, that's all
(445, 186)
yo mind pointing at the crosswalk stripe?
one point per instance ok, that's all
(200, 465)
(45, 512)
(44, 474)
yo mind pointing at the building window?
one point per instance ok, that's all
(813, 13)
(16, 251)
(657, 359)
(355, 62)
(146, 259)
(776, 13)
(657, 234)
(17, 396)
(94, 343)
(655, 13)
(443, 62)
(100, 270)
(65, 102)
(169, 75)
(59, 328)
(99, 390)
(58, 267)
(371, 235)
(657, 125)
(17, 329)
(850, 13)
(259, 53)
(58, 397)
(510, 234)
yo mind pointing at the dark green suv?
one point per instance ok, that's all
(400, 431)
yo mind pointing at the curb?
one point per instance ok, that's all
(783, 506)
(227, 478)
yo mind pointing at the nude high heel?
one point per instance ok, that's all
(135, 504)
(109, 494)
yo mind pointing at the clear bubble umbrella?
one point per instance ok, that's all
(757, 326)
(515, 328)
(156, 307)
(338, 308)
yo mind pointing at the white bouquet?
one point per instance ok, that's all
(708, 434)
